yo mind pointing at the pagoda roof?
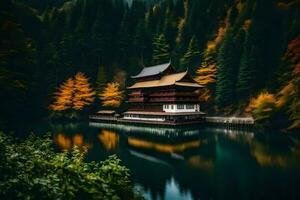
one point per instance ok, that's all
(167, 80)
(153, 70)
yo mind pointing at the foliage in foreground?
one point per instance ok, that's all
(32, 170)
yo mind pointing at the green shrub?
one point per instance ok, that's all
(30, 169)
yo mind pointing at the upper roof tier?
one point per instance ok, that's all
(179, 79)
(153, 70)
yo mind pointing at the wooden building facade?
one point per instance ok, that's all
(160, 94)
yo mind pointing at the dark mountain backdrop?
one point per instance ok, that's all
(45, 42)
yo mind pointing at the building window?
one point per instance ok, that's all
(180, 106)
(172, 107)
(189, 106)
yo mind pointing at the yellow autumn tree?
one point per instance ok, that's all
(63, 98)
(206, 76)
(289, 95)
(286, 94)
(206, 73)
(111, 95)
(73, 94)
(83, 93)
(262, 107)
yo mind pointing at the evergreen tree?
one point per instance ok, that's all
(192, 56)
(139, 39)
(225, 72)
(170, 28)
(101, 79)
(161, 50)
(101, 39)
(246, 77)
(83, 93)
(124, 39)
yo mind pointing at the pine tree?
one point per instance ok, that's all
(140, 39)
(170, 27)
(161, 50)
(63, 99)
(101, 39)
(246, 77)
(101, 79)
(192, 56)
(83, 93)
(123, 43)
(111, 95)
(225, 72)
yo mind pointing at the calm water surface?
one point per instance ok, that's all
(195, 162)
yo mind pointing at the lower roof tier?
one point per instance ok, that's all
(178, 79)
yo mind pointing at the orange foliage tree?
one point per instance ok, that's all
(73, 94)
(83, 93)
(262, 107)
(63, 97)
(112, 95)
(206, 73)
(206, 76)
(289, 95)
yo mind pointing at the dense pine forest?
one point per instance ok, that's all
(246, 52)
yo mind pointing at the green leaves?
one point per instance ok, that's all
(32, 168)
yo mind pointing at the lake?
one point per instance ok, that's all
(192, 163)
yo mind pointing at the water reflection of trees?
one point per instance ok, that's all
(268, 149)
(66, 142)
(273, 154)
(67, 135)
(202, 162)
(186, 160)
(109, 139)
(164, 148)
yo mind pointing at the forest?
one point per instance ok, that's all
(245, 52)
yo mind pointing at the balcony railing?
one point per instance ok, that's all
(173, 93)
(173, 99)
(162, 99)
(137, 99)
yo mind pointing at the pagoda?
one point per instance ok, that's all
(160, 95)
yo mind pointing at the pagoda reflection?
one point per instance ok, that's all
(164, 148)
(164, 153)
